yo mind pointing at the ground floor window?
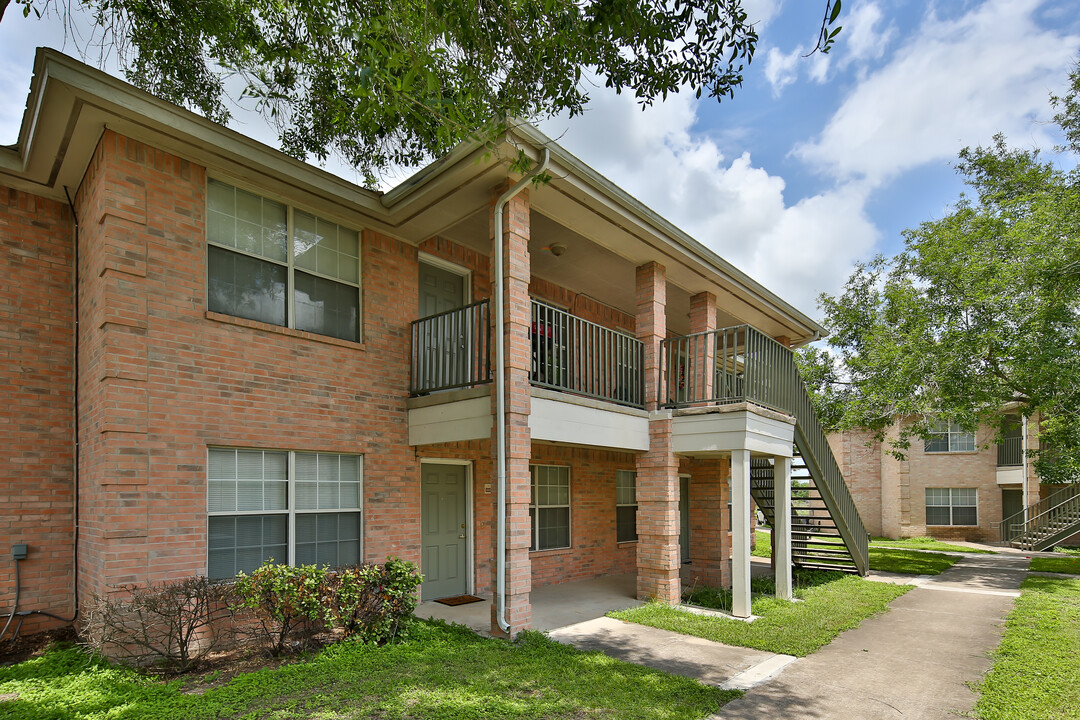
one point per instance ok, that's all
(951, 506)
(625, 506)
(296, 507)
(549, 509)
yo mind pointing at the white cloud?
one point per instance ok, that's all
(728, 204)
(782, 69)
(955, 83)
(861, 39)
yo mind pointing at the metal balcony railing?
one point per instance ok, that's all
(742, 364)
(1010, 452)
(577, 356)
(731, 365)
(451, 349)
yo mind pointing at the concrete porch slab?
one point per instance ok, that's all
(553, 606)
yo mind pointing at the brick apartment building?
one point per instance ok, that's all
(957, 485)
(259, 359)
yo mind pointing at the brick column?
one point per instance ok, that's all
(710, 550)
(703, 320)
(518, 359)
(658, 470)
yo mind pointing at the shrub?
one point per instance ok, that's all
(372, 602)
(287, 603)
(170, 626)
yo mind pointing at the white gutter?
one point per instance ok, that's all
(1024, 464)
(500, 389)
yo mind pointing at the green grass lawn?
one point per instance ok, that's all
(1036, 673)
(1066, 564)
(886, 558)
(444, 673)
(832, 602)
(1067, 550)
(926, 543)
(909, 562)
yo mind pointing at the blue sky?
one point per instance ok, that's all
(817, 162)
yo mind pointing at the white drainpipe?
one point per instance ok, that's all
(1023, 464)
(500, 390)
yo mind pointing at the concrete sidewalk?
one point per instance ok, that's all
(914, 661)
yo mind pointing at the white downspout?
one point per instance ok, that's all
(1024, 465)
(500, 390)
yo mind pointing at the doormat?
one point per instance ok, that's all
(460, 600)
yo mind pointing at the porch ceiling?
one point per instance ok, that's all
(586, 267)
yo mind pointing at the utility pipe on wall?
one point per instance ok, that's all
(500, 390)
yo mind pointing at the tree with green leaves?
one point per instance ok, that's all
(399, 82)
(980, 312)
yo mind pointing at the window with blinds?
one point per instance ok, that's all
(550, 507)
(625, 506)
(270, 262)
(294, 507)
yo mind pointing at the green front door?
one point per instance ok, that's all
(1012, 502)
(444, 540)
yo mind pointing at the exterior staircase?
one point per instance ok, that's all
(816, 542)
(1046, 523)
(826, 530)
(748, 366)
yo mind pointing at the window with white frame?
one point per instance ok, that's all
(267, 261)
(625, 506)
(947, 436)
(951, 506)
(295, 507)
(549, 509)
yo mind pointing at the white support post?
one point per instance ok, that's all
(782, 526)
(740, 533)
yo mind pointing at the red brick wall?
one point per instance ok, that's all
(166, 379)
(594, 551)
(36, 413)
(582, 306)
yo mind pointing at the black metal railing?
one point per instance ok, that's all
(577, 356)
(1010, 452)
(742, 364)
(451, 349)
(731, 365)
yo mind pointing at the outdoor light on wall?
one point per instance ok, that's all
(557, 249)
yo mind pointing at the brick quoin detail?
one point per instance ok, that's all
(37, 415)
(658, 559)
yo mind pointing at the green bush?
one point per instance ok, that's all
(287, 603)
(372, 602)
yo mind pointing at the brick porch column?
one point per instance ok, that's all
(710, 549)
(703, 320)
(658, 470)
(518, 358)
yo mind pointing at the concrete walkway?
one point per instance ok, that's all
(914, 661)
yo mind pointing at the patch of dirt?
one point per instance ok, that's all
(27, 646)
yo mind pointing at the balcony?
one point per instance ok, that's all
(723, 367)
(1010, 452)
(573, 355)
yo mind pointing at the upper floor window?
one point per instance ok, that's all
(949, 437)
(269, 262)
